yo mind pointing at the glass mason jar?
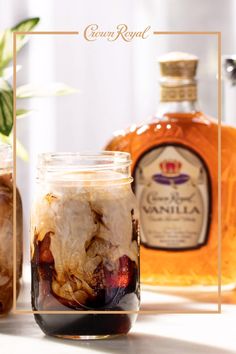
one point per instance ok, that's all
(6, 231)
(84, 244)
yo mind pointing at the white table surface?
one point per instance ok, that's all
(162, 333)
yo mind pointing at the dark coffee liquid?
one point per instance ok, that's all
(80, 262)
(121, 293)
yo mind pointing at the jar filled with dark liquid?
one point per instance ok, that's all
(84, 245)
(6, 231)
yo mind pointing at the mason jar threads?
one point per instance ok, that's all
(84, 244)
(6, 231)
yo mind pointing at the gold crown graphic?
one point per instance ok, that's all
(170, 167)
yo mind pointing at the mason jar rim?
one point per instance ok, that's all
(85, 166)
(101, 159)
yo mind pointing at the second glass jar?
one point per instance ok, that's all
(6, 231)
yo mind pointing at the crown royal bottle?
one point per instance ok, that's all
(175, 170)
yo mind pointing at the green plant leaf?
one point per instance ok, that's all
(26, 25)
(20, 149)
(6, 107)
(6, 40)
(37, 90)
(6, 48)
(21, 113)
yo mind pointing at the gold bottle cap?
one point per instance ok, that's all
(178, 65)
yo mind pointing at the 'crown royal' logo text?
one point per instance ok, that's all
(92, 32)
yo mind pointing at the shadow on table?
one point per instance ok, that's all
(140, 343)
(190, 301)
(227, 297)
(134, 343)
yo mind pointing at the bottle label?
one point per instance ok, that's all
(173, 190)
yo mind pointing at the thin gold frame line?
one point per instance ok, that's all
(14, 192)
(47, 33)
(219, 116)
(14, 172)
(14, 309)
(186, 33)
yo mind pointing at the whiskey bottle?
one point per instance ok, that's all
(175, 170)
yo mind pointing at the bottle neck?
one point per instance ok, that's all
(177, 107)
(177, 96)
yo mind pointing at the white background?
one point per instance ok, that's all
(118, 85)
(118, 81)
